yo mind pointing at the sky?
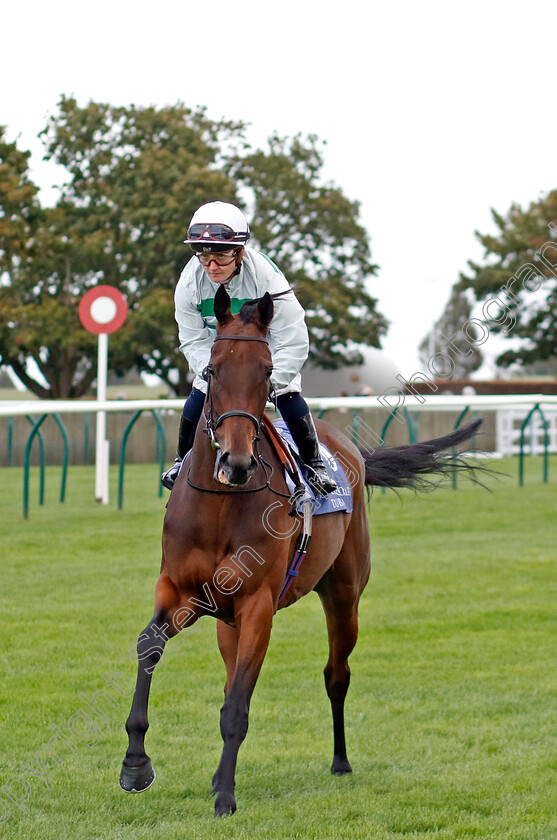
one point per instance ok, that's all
(432, 112)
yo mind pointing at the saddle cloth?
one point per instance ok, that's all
(341, 499)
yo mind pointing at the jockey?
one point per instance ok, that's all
(218, 234)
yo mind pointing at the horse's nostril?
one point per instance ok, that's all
(237, 468)
(241, 463)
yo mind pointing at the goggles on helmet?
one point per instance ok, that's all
(216, 232)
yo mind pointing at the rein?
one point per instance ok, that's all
(236, 491)
(268, 473)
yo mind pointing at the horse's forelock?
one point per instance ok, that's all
(258, 311)
(248, 311)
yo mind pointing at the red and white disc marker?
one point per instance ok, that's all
(103, 310)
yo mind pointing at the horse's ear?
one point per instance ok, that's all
(265, 310)
(222, 305)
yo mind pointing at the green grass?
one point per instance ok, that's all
(450, 716)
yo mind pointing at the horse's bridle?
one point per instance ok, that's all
(212, 422)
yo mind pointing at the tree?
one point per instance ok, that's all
(20, 217)
(312, 232)
(139, 173)
(517, 282)
(19, 208)
(134, 178)
(446, 350)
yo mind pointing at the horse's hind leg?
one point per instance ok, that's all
(339, 590)
(342, 626)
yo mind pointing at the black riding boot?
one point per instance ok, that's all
(185, 442)
(305, 437)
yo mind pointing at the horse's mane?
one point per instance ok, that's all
(248, 311)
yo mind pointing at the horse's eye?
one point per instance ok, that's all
(268, 372)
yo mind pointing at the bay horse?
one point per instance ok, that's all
(228, 537)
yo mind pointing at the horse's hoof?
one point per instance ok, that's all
(340, 767)
(137, 779)
(225, 805)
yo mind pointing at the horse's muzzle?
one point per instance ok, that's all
(234, 470)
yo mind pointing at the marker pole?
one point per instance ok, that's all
(101, 465)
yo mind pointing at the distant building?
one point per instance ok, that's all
(539, 385)
(5, 379)
(375, 376)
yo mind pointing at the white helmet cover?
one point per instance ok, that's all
(218, 223)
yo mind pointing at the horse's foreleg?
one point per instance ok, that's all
(227, 638)
(137, 772)
(342, 626)
(254, 630)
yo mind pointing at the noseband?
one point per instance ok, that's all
(213, 422)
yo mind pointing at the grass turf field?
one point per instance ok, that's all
(450, 715)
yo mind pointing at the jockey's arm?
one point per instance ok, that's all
(289, 340)
(196, 338)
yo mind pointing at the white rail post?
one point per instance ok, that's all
(101, 465)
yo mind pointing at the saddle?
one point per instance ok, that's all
(281, 440)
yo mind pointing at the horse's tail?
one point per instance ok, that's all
(407, 466)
